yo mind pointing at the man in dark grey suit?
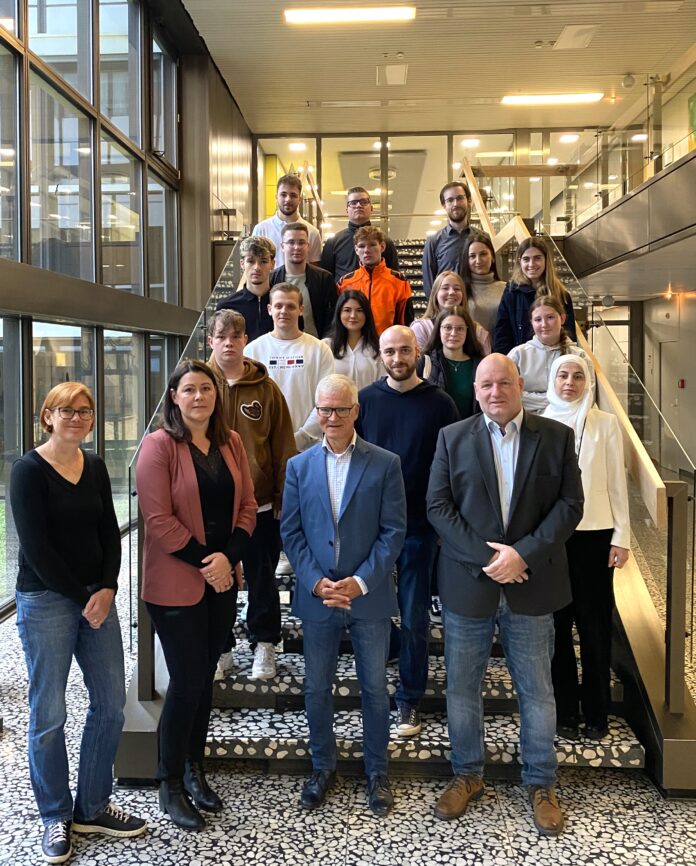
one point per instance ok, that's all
(504, 495)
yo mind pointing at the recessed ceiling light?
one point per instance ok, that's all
(440, 212)
(471, 142)
(494, 154)
(534, 179)
(456, 165)
(613, 177)
(552, 160)
(377, 145)
(552, 99)
(569, 138)
(588, 184)
(297, 146)
(640, 136)
(350, 15)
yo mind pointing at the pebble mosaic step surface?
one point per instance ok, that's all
(280, 739)
(285, 691)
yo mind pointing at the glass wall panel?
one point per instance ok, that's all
(121, 209)
(61, 184)
(347, 162)
(10, 448)
(62, 353)
(119, 64)
(162, 250)
(8, 15)
(60, 32)
(9, 235)
(279, 156)
(123, 410)
(417, 172)
(164, 103)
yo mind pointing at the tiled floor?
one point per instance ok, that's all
(614, 818)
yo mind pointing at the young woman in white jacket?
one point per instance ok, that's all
(599, 544)
(535, 357)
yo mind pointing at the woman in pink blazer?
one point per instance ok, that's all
(197, 500)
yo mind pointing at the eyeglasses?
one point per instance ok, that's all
(453, 329)
(67, 413)
(359, 202)
(456, 199)
(327, 411)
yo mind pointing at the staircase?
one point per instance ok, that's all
(264, 722)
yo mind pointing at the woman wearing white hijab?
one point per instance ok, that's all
(599, 544)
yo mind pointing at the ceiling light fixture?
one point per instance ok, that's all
(456, 166)
(494, 154)
(471, 142)
(640, 136)
(552, 160)
(297, 146)
(552, 99)
(569, 138)
(352, 15)
(534, 179)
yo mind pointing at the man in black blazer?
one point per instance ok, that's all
(318, 288)
(504, 495)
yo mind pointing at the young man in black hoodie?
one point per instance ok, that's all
(258, 260)
(404, 414)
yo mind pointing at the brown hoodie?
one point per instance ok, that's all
(254, 407)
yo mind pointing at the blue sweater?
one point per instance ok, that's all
(512, 327)
(407, 423)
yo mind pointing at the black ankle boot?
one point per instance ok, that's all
(173, 801)
(197, 786)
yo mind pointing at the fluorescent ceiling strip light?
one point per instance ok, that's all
(350, 15)
(553, 99)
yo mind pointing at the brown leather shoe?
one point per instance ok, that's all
(548, 818)
(457, 796)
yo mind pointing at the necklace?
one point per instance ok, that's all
(455, 365)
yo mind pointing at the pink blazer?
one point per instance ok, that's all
(171, 506)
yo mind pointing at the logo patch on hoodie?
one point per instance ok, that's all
(252, 411)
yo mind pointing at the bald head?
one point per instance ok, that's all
(498, 388)
(399, 352)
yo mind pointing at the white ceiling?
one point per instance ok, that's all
(462, 57)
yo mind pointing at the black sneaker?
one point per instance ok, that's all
(56, 845)
(435, 610)
(408, 722)
(113, 821)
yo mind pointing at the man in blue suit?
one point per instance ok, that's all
(343, 525)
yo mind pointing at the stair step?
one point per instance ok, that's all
(286, 690)
(280, 740)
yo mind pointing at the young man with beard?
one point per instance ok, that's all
(288, 200)
(404, 414)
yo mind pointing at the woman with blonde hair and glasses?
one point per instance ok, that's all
(448, 291)
(69, 560)
(533, 277)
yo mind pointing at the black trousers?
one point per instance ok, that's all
(592, 583)
(192, 639)
(260, 562)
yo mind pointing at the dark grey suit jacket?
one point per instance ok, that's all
(464, 509)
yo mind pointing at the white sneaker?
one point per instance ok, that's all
(226, 664)
(284, 566)
(264, 667)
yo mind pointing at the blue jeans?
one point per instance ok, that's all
(414, 569)
(528, 645)
(53, 630)
(370, 644)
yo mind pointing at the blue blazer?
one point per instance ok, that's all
(371, 525)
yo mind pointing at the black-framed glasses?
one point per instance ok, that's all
(359, 202)
(67, 413)
(327, 411)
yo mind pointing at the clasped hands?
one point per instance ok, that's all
(217, 571)
(506, 565)
(337, 593)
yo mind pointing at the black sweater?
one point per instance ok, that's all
(407, 423)
(68, 533)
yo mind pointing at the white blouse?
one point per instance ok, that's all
(359, 364)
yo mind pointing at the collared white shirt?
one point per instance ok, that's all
(505, 450)
(337, 466)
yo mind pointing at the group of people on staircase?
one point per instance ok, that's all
(328, 422)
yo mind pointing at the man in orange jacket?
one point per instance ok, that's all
(388, 292)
